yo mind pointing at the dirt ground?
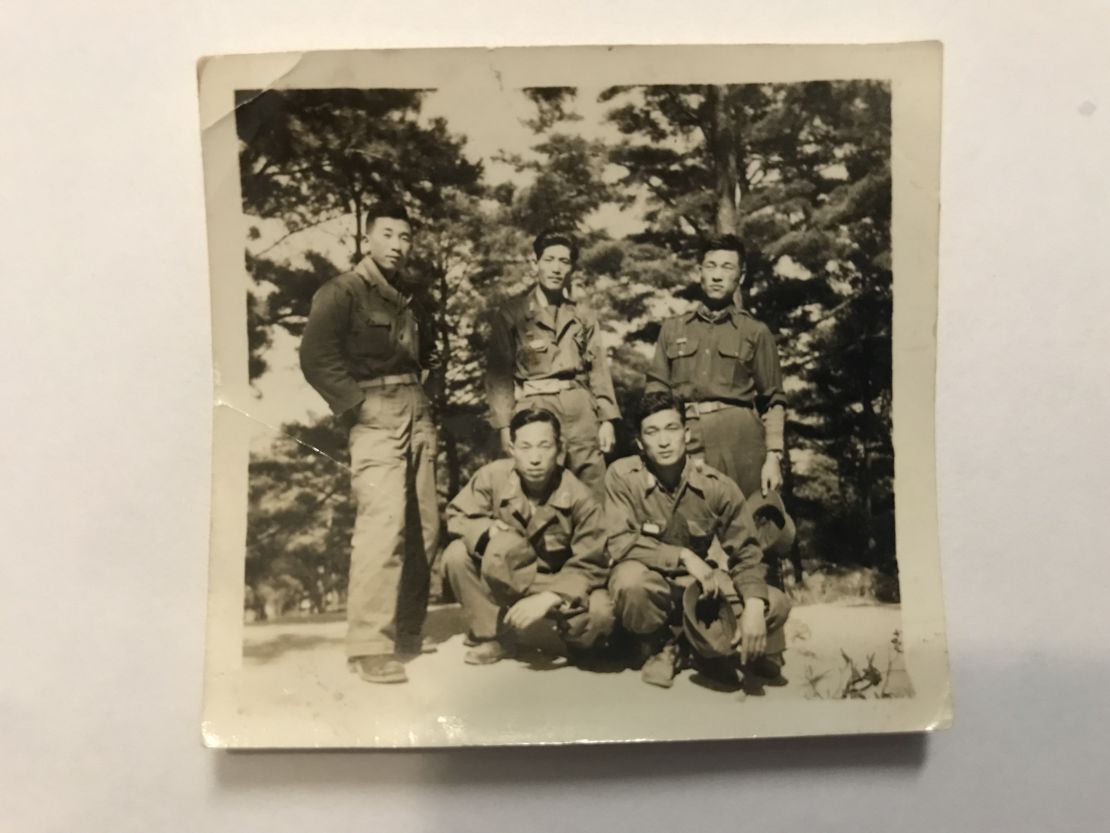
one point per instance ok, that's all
(294, 677)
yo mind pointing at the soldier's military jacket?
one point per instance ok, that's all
(567, 532)
(531, 339)
(361, 328)
(648, 524)
(727, 356)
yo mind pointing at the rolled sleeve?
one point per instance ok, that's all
(774, 427)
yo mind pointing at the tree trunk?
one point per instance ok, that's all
(358, 227)
(723, 151)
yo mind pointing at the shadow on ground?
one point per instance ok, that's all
(279, 645)
(442, 623)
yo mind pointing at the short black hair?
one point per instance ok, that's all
(722, 243)
(555, 238)
(526, 416)
(657, 401)
(386, 209)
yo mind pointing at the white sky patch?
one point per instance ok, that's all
(813, 310)
(617, 221)
(281, 393)
(331, 239)
(787, 267)
(492, 119)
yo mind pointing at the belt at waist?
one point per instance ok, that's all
(388, 381)
(709, 406)
(532, 387)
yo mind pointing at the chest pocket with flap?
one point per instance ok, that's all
(554, 549)
(535, 349)
(373, 333)
(682, 354)
(733, 359)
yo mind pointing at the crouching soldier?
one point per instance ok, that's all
(663, 510)
(530, 544)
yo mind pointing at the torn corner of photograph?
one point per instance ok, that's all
(577, 394)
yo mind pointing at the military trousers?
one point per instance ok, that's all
(580, 629)
(646, 602)
(578, 420)
(731, 440)
(393, 453)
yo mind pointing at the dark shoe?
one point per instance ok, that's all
(601, 659)
(717, 673)
(487, 653)
(768, 668)
(661, 668)
(411, 648)
(378, 668)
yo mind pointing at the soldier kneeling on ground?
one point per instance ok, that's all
(529, 544)
(663, 510)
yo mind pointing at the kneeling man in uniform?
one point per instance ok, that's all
(529, 544)
(663, 510)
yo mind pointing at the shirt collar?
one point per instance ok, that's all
(373, 276)
(560, 497)
(692, 477)
(538, 300)
(716, 316)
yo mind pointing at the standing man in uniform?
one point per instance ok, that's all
(546, 351)
(366, 347)
(725, 364)
(530, 545)
(662, 511)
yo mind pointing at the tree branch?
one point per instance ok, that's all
(297, 230)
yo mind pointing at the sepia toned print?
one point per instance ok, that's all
(573, 394)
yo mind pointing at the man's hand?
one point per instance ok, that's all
(531, 609)
(506, 442)
(702, 571)
(753, 631)
(718, 585)
(606, 437)
(770, 477)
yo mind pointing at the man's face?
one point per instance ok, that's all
(535, 450)
(663, 437)
(553, 268)
(389, 241)
(720, 274)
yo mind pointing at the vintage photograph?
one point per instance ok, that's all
(573, 394)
